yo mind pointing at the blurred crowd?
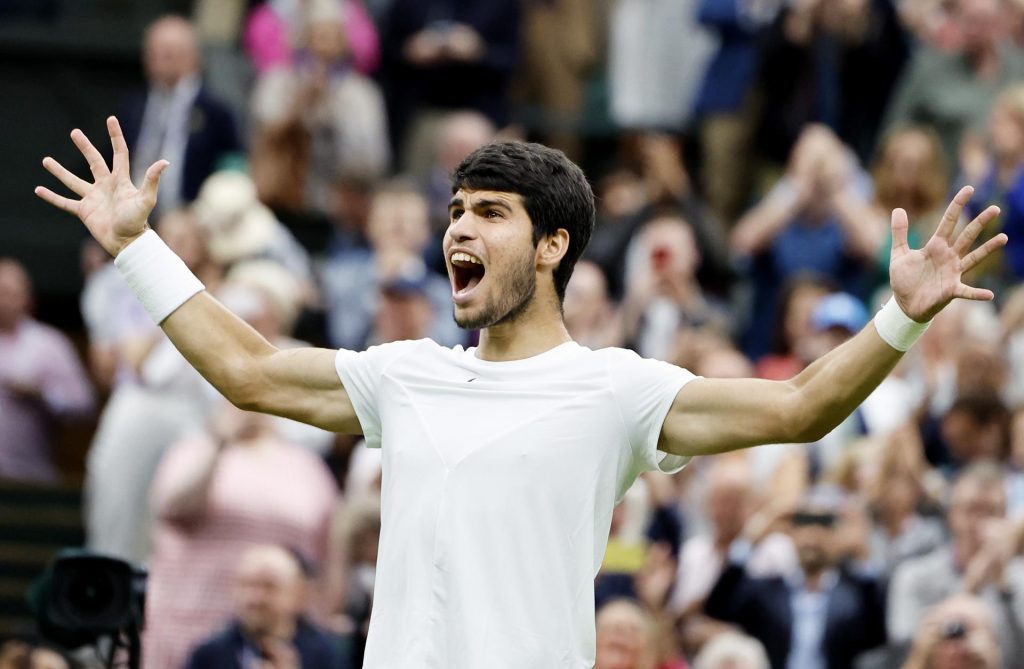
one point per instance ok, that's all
(746, 155)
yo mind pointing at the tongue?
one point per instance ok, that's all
(471, 284)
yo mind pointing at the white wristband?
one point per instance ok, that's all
(896, 328)
(159, 278)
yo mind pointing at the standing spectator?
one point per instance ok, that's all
(978, 502)
(177, 119)
(820, 614)
(446, 55)
(828, 62)
(275, 29)
(817, 218)
(217, 494)
(657, 56)
(268, 623)
(317, 120)
(42, 382)
(952, 90)
(959, 632)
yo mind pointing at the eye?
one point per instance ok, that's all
(456, 214)
(493, 213)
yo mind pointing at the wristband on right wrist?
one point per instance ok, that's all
(160, 279)
(896, 328)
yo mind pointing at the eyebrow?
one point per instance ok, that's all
(480, 204)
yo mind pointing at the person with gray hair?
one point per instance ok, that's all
(732, 650)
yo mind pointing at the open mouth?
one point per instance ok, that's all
(467, 272)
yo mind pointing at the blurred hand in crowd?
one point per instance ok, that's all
(958, 633)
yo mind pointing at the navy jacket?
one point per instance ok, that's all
(317, 650)
(212, 135)
(855, 620)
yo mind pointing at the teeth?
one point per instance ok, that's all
(465, 257)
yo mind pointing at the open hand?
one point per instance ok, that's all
(925, 280)
(112, 208)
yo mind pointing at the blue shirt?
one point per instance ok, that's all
(810, 610)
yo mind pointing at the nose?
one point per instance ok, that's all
(462, 228)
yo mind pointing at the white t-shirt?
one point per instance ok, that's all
(499, 480)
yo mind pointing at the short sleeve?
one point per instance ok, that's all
(645, 390)
(361, 374)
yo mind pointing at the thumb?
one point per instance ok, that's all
(900, 225)
(152, 179)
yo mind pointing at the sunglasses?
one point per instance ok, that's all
(819, 519)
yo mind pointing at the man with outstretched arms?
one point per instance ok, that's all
(502, 463)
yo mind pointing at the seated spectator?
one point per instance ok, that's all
(664, 299)
(952, 89)
(357, 535)
(398, 232)
(177, 119)
(959, 632)
(627, 638)
(974, 562)
(820, 613)
(817, 219)
(898, 497)
(316, 120)
(792, 328)
(268, 622)
(730, 500)
(273, 33)
(42, 382)
(730, 650)
(215, 495)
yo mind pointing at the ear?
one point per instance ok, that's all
(552, 248)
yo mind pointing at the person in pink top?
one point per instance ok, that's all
(215, 496)
(41, 379)
(271, 29)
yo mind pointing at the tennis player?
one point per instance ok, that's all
(501, 463)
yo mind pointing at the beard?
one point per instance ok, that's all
(520, 285)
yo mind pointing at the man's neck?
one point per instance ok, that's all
(538, 329)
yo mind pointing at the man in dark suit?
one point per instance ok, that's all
(177, 118)
(822, 615)
(269, 630)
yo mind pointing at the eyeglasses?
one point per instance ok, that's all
(809, 518)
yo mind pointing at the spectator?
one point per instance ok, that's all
(626, 638)
(817, 218)
(952, 90)
(999, 177)
(793, 329)
(317, 120)
(590, 315)
(444, 55)
(664, 301)
(820, 614)
(729, 500)
(657, 56)
(177, 119)
(909, 172)
(268, 623)
(833, 63)
(357, 534)
(977, 503)
(560, 44)
(217, 494)
(958, 632)
(725, 107)
(42, 382)
(730, 650)
(398, 231)
(274, 32)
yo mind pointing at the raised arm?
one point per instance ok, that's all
(301, 384)
(716, 415)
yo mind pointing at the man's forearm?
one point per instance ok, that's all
(830, 388)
